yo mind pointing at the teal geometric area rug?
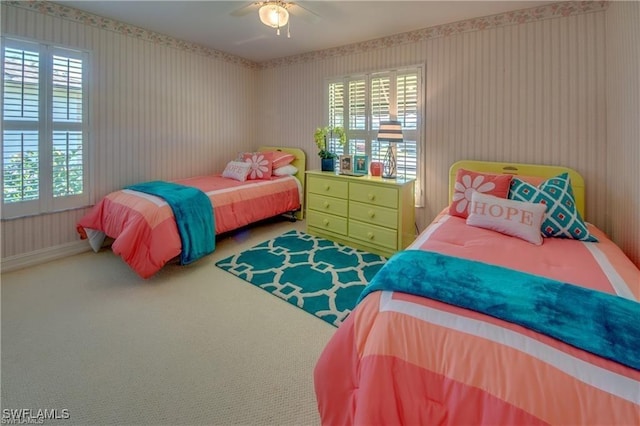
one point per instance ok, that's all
(322, 277)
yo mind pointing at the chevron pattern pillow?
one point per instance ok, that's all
(562, 218)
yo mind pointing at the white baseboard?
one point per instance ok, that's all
(25, 260)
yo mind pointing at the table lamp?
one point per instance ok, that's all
(391, 132)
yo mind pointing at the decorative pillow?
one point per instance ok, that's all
(281, 159)
(287, 170)
(514, 218)
(562, 218)
(261, 165)
(237, 170)
(468, 182)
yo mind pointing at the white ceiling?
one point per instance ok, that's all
(317, 25)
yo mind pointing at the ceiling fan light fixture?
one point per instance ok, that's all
(273, 14)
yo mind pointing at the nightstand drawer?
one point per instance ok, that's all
(374, 234)
(326, 222)
(330, 205)
(376, 215)
(331, 187)
(372, 194)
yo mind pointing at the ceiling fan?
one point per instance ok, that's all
(275, 13)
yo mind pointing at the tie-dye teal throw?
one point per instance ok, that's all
(597, 322)
(193, 212)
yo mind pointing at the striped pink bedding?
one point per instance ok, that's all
(144, 229)
(403, 359)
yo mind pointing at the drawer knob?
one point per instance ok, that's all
(372, 214)
(371, 197)
(327, 187)
(370, 235)
(326, 204)
(326, 222)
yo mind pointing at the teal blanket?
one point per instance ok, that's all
(600, 323)
(193, 213)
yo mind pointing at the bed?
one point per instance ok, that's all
(147, 235)
(427, 344)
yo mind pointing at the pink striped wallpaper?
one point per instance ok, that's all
(546, 86)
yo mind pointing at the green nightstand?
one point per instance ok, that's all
(365, 212)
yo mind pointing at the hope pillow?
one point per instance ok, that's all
(514, 218)
(468, 182)
(237, 170)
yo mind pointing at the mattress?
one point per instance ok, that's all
(405, 359)
(144, 229)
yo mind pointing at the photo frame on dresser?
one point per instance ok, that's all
(360, 164)
(346, 164)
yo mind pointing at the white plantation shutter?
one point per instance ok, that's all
(20, 142)
(68, 164)
(337, 105)
(21, 87)
(380, 101)
(67, 118)
(407, 107)
(21, 84)
(372, 98)
(357, 105)
(67, 89)
(44, 142)
(357, 119)
(407, 100)
(20, 165)
(380, 111)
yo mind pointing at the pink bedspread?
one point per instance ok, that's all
(403, 359)
(144, 229)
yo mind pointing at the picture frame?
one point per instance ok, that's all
(360, 164)
(346, 164)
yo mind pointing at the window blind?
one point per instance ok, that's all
(359, 103)
(44, 142)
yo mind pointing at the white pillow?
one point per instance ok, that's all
(237, 170)
(287, 170)
(514, 218)
(96, 238)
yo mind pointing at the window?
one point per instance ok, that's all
(359, 103)
(44, 128)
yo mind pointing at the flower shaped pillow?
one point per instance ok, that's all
(261, 165)
(468, 182)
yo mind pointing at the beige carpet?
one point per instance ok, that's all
(192, 345)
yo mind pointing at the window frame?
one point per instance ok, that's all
(369, 134)
(46, 125)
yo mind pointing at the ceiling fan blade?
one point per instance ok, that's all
(246, 9)
(250, 40)
(304, 12)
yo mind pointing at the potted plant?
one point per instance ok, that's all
(322, 136)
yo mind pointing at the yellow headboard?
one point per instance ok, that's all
(299, 163)
(577, 182)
